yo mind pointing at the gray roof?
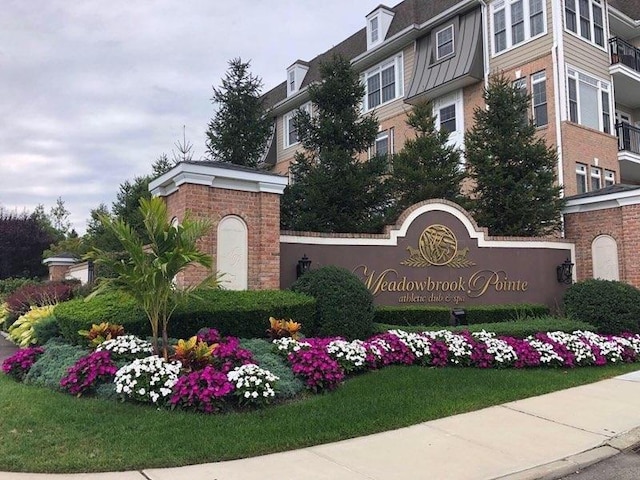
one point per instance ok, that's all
(617, 188)
(406, 13)
(631, 8)
(232, 166)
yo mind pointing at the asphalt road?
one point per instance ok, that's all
(624, 466)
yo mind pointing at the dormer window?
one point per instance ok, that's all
(444, 41)
(373, 29)
(378, 23)
(295, 76)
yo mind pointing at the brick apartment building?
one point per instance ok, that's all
(577, 58)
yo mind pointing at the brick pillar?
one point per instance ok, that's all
(214, 190)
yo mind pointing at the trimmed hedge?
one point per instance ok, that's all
(517, 329)
(242, 314)
(441, 316)
(611, 306)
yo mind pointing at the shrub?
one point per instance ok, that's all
(78, 314)
(518, 329)
(10, 285)
(100, 333)
(441, 316)
(88, 372)
(53, 364)
(289, 385)
(46, 329)
(19, 364)
(23, 332)
(238, 313)
(344, 304)
(193, 354)
(37, 295)
(610, 306)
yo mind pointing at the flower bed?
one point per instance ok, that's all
(210, 373)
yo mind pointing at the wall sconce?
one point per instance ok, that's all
(458, 316)
(564, 271)
(304, 264)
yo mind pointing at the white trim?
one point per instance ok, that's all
(577, 34)
(453, 43)
(397, 61)
(216, 177)
(57, 261)
(602, 202)
(401, 232)
(526, 15)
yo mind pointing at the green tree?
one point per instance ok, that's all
(426, 167)
(332, 190)
(60, 217)
(22, 240)
(127, 203)
(513, 169)
(239, 130)
(148, 270)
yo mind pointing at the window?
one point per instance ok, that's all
(581, 177)
(373, 29)
(609, 178)
(520, 87)
(447, 117)
(444, 40)
(383, 83)
(596, 178)
(585, 19)
(539, 98)
(292, 81)
(383, 144)
(588, 101)
(516, 21)
(290, 130)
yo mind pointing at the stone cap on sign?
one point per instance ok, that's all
(217, 175)
(63, 258)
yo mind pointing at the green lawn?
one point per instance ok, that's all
(46, 431)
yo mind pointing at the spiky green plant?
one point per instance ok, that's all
(147, 271)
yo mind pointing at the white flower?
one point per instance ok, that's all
(147, 379)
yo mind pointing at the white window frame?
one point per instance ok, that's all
(506, 7)
(439, 45)
(581, 177)
(291, 83)
(596, 175)
(398, 64)
(286, 119)
(383, 135)
(609, 178)
(537, 78)
(603, 98)
(588, 33)
(374, 30)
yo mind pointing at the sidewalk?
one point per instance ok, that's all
(543, 437)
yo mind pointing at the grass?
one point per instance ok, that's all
(46, 431)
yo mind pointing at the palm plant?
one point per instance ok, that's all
(148, 270)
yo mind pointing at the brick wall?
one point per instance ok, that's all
(622, 224)
(260, 212)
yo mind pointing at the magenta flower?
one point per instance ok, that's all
(88, 372)
(203, 390)
(19, 364)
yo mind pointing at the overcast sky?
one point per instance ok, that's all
(92, 92)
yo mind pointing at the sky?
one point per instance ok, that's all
(92, 92)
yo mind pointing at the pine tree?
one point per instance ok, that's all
(332, 190)
(239, 131)
(514, 170)
(426, 167)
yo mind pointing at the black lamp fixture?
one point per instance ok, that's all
(304, 264)
(458, 316)
(564, 271)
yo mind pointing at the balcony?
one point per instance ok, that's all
(625, 70)
(628, 152)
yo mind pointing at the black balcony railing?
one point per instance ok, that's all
(625, 53)
(628, 137)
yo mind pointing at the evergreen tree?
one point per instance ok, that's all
(332, 190)
(239, 131)
(514, 170)
(22, 240)
(426, 167)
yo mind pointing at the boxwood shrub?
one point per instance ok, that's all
(345, 305)
(238, 313)
(441, 316)
(611, 306)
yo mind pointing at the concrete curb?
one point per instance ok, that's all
(580, 461)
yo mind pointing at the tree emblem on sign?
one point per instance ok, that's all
(437, 246)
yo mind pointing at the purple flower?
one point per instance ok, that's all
(88, 372)
(203, 390)
(19, 364)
